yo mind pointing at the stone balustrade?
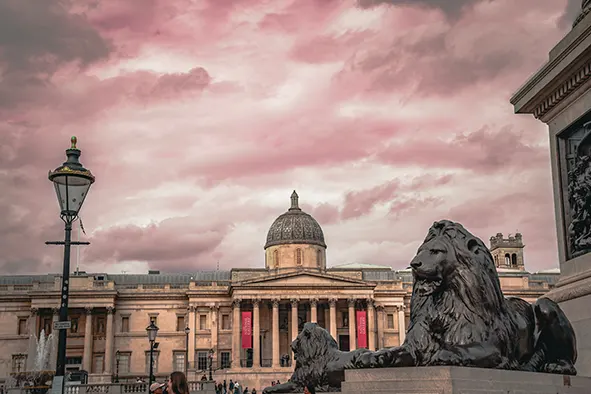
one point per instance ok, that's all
(115, 388)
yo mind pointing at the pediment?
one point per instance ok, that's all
(306, 279)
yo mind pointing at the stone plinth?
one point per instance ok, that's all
(559, 94)
(460, 380)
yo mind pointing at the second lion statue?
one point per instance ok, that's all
(458, 317)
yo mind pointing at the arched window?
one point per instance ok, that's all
(497, 260)
(514, 260)
(507, 260)
(319, 258)
(299, 256)
(276, 259)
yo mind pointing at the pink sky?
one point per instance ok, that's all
(199, 118)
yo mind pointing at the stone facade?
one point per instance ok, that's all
(508, 252)
(109, 315)
(559, 94)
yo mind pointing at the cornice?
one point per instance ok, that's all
(554, 81)
(570, 291)
(15, 297)
(566, 88)
(152, 296)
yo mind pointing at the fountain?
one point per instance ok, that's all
(37, 376)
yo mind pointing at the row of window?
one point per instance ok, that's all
(99, 323)
(510, 260)
(181, 322)
(123, 361)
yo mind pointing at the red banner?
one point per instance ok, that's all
(361, 329)
(246, 330)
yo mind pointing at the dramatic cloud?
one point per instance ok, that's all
(199, 118)
(36, 39)
(450, 8)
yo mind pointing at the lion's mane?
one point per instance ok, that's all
(314, 348)
(470, 307)
(319, 362)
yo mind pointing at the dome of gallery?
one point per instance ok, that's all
(295, 227)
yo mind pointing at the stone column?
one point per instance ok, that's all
(109, 341)
(32, 324)
(401, 324)
(352, 330)
(371, 334)
(236, 334)
(275, 333)
(87, 355)
(54, 339)
(314, 310)
(380, 309)
(333, 318)
(214, 328)
(33, 330)
(192, 331)
(326, 318)
(294, 319)
(256, 334)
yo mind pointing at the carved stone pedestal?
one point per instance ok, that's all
(459, 380)
(559, 94)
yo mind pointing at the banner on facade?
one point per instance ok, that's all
(361, 329)
(246, 330)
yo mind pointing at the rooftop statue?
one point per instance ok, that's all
(458, 317)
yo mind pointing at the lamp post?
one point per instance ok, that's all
(210, 365)
(187, 331)
(72, 182)
(152, 333)
(117, 355)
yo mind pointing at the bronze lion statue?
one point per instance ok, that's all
(458, 317)
(318, 361)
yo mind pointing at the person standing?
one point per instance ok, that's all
(177, 384)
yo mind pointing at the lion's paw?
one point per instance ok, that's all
(560, 368)
(445, 357)
(365, 360)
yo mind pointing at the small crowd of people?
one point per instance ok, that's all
(177, 384)
(232, 388)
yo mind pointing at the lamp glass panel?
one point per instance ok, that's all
(71, 192)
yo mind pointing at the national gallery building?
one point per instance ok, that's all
(244, 318)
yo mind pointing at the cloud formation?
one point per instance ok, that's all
(36, 40)
(199, 117)
(450, 8)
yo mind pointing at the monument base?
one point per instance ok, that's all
(460, 380)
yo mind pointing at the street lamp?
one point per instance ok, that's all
(72, 182)
(117, 357)
(210, 364)
(187, 331)
(152, 330)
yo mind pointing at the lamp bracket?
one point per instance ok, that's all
(63, 243)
